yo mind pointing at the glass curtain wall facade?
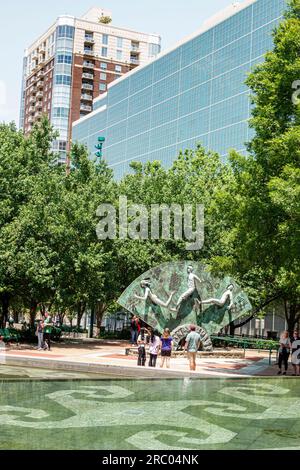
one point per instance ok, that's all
(193, 94)
(61, 94)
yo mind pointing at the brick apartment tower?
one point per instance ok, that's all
(72, 63)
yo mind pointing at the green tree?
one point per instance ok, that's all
(86, 277)
(196, 177)
(105, 19)
(21, 161)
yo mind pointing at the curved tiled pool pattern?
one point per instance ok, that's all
(63, 410)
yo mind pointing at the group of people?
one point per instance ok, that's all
(43, 333)
(289, 346)
(161, 344)
(157, 344)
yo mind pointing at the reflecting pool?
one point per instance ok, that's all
(174, 414)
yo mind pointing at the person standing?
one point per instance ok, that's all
(40, 334)
(142, 341)
(296, 353)
(56, 321)
(154, 346)
(192, 345)
(284, 352)
(2, 351)
(166, 346)
(135, 329)
(47, 331)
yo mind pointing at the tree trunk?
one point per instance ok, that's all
(43, 309)
(16, 315)
(33, 310)
(5, 309)
(80, 312)
(100, 310)
(231, 329)
(61, 316)
(291, 315)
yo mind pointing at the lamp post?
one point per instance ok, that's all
(93, 310)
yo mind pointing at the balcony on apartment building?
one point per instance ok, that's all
(88, 76)
(40, 94)
(135, 47)
(134, 60)
(86, 97)
(89, 39)
(40, 84)
(88, 65)
(33, 90)
(85, 107)
(32, 99)
(89, 52)
(87, 86)
(38, 114)
(31, 109)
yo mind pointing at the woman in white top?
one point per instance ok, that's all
(284, 352)
(154, 346)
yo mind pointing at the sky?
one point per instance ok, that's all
(21, 22)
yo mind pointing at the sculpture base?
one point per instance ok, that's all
(217, 353)
(180, 333)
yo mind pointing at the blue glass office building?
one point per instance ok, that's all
(192, 93)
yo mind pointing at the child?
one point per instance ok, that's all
(154, 346)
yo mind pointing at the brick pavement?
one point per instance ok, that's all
(74, 352)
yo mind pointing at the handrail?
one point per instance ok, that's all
(245, 343)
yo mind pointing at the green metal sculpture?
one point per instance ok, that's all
(176, 294)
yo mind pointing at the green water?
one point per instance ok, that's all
(108, 414)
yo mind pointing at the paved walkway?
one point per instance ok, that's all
(109, 357)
